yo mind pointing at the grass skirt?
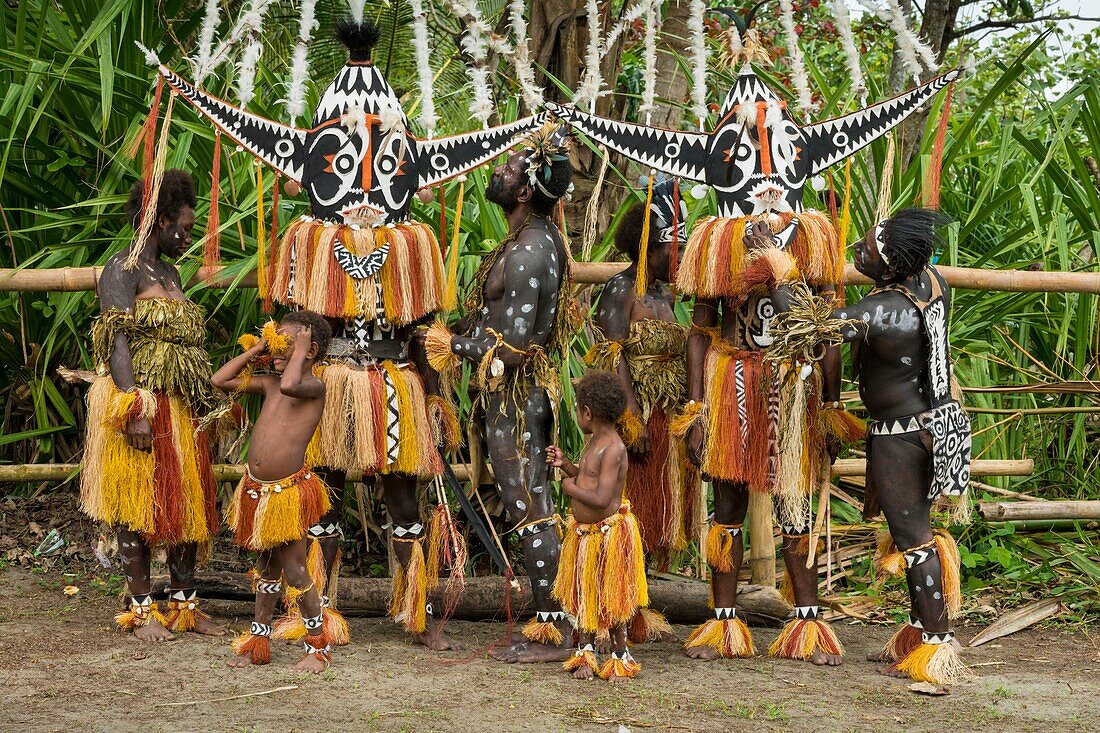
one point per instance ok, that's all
(601, 574)
(266, 514)
(308, 274)
(167, 494)
(376, 420)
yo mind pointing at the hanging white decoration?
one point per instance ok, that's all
(698, 61)
(246, 75)
(356, 9)
(649, 90)
(248, 26)
(425, 80)
(848, 43)
(206, 39)
(911, 49)
(589, 88)
(475, 42)
(798, 65)
(299, 64)
(636, 11)
(521, 59)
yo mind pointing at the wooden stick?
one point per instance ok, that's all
(284, 688)
(72, 279)
(233, 472)
(1028, 510)
(761, 539)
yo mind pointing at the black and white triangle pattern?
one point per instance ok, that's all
(725, 614)
(682, 154)
(915, 557)
(393, 425)
(401, 531)
(358, 267)
(443, 158)
(806, 613)
(280, 146)
(945, 638)
(834, 140)
(268, 587)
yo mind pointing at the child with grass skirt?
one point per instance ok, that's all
(601, 574)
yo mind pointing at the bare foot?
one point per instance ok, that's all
(880, 657)
(434, 638)
(153, 631)
(618, 680)
(584, 673)
(206, 627)
(239, 661)
(706, 653)
(311, 664)
(821, 659)
(531, 652)
(891, 670)
(666, 637)
(603, 646)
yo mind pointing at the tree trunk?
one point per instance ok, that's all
(937, 30)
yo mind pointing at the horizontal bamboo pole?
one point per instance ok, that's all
(590, 273)
(1009, 511)
(232, 472)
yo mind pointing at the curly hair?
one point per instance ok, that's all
(911, 238)
(602, 393)
(177, 190)
(628, 235)
(320, 331)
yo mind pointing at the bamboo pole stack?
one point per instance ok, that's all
(74, 279)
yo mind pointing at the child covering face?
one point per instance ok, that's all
(280, 496)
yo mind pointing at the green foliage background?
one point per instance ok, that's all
(74, 91)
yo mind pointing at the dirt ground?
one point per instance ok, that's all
(66, 668)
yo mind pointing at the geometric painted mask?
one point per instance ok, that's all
(757, 158)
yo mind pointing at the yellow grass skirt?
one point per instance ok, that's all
(167, 494)
(266, 514)
(601, 574)
(376, 420)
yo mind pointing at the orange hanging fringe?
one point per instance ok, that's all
(211, 243)
(626, 666)
(905, 640)
(936, 663)
(730, 637)
(802, 638)
(544, 632)
(930, 195)
(582, 658)
(184, 615)
(720, 547)
(256, 648)
(647, 625)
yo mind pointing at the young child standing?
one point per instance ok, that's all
(601, 573)
(280, 496)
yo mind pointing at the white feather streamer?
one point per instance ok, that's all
(798, 64)
(476, 42)
(649, 91)
(848, 43)
(246, 75)
(698, 61)
(248, 25)
(425, 79)
(206, 39)
(589, 88)
(636, 11)
(299, 64)
(911, 49)
(521, 60)
(356, 9)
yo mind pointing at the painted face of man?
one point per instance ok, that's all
(175, 233)
(508, 186)
(867, 259)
